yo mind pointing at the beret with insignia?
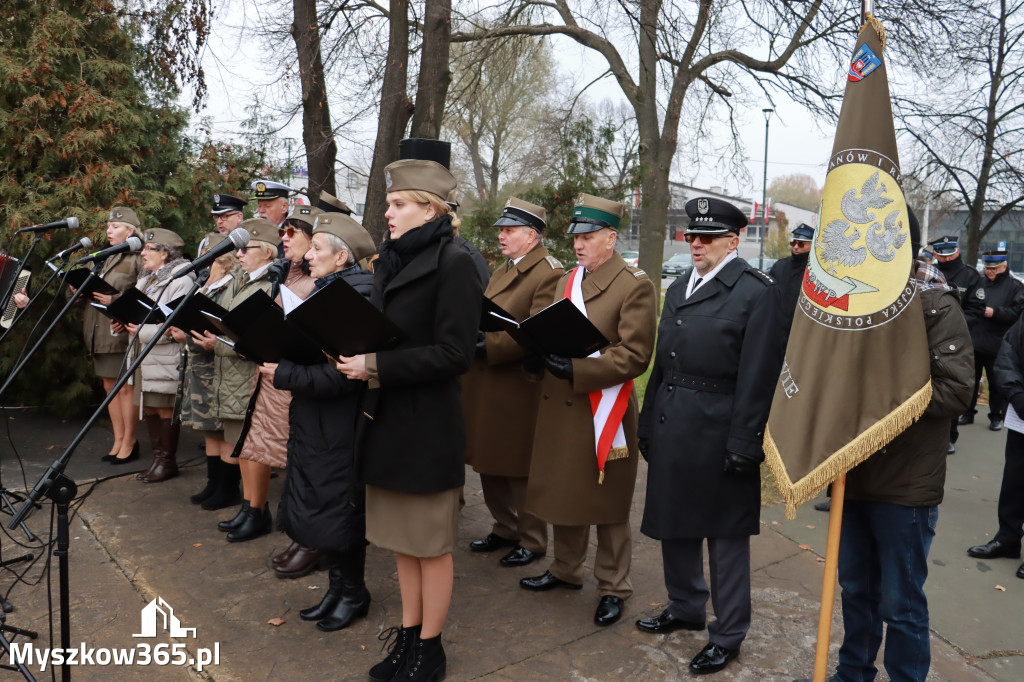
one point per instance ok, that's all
(123, 214)
(349, 231)
(262, 230)
(304, 214)
(158, 236)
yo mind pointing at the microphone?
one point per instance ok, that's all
(71, 222)
(131, 244)
(83, 243)
(237, 238)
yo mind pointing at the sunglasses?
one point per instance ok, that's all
(704, 239)
(289, 231)
(246, 248)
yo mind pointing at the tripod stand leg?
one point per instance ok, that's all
(62, 491)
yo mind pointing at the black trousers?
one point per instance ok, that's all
(996, 401)
(1011, 493)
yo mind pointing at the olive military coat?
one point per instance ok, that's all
(563, 488)
(499, 401)
(715, 369)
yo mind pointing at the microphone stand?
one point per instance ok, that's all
(28, 356)
(55, 485)
(56, 271)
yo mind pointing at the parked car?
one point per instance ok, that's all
(675, 265)
(632, 258)
(768, 263)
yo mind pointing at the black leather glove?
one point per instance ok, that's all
(278, 270)
(481, 344)
(642, 445)
(533, 363)
(559, 366)
(740, 466)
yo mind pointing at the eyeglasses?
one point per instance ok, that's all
(246, 248)
(704, 239)
(289, 231)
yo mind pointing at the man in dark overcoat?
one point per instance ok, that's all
(788, 272)
(570, 485)
(499, 400)
(721, 343)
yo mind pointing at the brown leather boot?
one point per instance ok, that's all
(165, 464)
(155, 443)
(303, 562)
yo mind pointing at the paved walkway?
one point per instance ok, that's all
(133, 542)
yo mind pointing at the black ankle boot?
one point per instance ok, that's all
(228, 526)
(257, 522)
(227, 493)
(355, 598)
(334, 590)
(213, 473)
(399, 652)
(426, 663)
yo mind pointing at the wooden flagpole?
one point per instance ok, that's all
(828, 584)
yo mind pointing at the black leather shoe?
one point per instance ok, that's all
(994, 550)
(665, 622)
(609, 610)
(711, 659)
(543, 583)
(490, 543)
(951, 449)
(1020, 571)
(824, 506)
(965, 419)
(995, 425)
(519, 556)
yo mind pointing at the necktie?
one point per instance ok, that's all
(695, 285)
(511, 264)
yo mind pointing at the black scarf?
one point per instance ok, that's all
(395, 254)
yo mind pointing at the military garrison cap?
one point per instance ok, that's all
(519, 212)
(225, 203)
(304, 214)
(417, 175)
(123, 214)
(211, 240)
(263, 230)
(349, 231)
(158, 236)
(332, 204)
(709, 215)
(590, 214)
(946, 246)
(268, 189)
(803, 233)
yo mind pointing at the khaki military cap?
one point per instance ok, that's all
(425, 176)
(304, 214)
(332, 204)
(123, 214)
(590, 214)
(519, 212)
(158, 236)
(349, 231)
(263, 230)
(211, 240)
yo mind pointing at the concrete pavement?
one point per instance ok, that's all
(133, 542)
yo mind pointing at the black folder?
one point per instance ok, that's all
(344, 322)
(132, 307)
(559, 329)
(190, 317)
(77, 277)
(259, 331)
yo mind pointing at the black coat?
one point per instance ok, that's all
(968, 282)
(1005, 295)
(322, 502)
(788, 274)
(413, 436)
(715, 368)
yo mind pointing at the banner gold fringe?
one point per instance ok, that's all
(621, 452)
(874, 438)
(879, 29)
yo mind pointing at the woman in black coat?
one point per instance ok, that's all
(323, 503)
(412, 449)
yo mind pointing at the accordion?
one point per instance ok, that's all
(13, 278)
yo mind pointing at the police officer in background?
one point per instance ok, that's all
(499, 441)
(1004, 303)
(721, 343)
(788, 272)
(568, 487)
(969, 285)
(227, 215)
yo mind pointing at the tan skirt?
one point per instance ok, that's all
(232, 430)
(108, 365)
(422, 526)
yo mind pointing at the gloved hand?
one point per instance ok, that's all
(278, 270)
(740, 466)
(559, 366)
(533, 363)
(481, 344)
(642, 445)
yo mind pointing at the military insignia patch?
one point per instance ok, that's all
(387, 179)
(150, 236)
(639, 273)
(702, 206)
(305, 211)
(260, 187)
(216, 198)
(553, 262)
(864, 62)
(980, 293)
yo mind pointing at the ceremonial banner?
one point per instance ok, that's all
(857, 367)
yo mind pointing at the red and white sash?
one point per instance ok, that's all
(608, 405)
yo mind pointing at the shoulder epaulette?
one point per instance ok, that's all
(639, 273)
(554, 263)
(763, 276)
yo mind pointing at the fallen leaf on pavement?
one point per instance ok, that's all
(1000, 588)
(277, 622)
(803, 547)
(811, 527)
(821, 560)
(776, 523)
(197, 544)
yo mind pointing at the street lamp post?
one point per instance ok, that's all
(764, 187)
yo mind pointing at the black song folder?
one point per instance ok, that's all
(259, 332)
(132, 307)
(77, 277)
(344, 322)
(190, 317)
(559, 329)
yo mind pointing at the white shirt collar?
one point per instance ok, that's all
(259, 271)
(690, 288)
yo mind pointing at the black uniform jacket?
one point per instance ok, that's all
(716, 364)
(322, 503)
(788, 274)
(1009, 367)
(1005, 295)
(969, 283)
(414, 439)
